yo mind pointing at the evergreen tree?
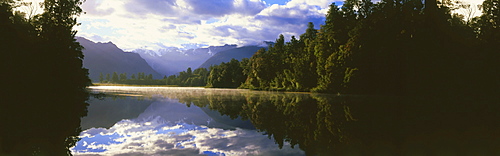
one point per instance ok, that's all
(115, 77)
(226, 75)
(189, 71)
(333, 35)
(150, 77)
(123, 76)
(108, 78)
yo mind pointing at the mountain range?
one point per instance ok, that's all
(108, 58)
(174, 60)
(226, 56)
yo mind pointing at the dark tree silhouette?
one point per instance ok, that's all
(45, 93)
(388, 48)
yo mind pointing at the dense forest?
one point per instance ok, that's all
(391, 47)
(43, 83)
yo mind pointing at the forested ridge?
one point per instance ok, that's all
(391, 47)
(43, 82)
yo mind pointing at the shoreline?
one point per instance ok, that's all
(131, 85)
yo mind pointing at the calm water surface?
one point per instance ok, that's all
(198, 121)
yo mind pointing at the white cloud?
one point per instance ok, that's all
(155, 24)
(133, 24)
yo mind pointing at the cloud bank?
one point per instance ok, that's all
(133, 24)
(156, 24)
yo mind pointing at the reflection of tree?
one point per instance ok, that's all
(332, 114)
(313, 122)
(231, 106)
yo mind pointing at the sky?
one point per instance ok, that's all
(158, 24)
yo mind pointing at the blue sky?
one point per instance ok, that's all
(279, 2)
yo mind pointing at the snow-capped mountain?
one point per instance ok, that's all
(173, 60)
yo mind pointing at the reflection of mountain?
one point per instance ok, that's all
(173, 60)
(172, 111)
(107, 58)
(105, 113)
(226, 56)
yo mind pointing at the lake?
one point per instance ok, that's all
(199, 121)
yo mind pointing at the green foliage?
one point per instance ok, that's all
(115, 77)
(123, 76)
(196, 78)
(226, 75)
(108, 78)
(141, 79)
(101, 77)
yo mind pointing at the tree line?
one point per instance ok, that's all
(198, 78)
(138, 79)
(225, 75)
(391, 47)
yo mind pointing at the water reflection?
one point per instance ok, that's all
(241, 122)
(168, 127)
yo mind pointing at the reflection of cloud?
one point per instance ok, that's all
(155, 136)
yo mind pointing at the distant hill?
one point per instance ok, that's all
(108, 58)
(173, 60)
(226, 56)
